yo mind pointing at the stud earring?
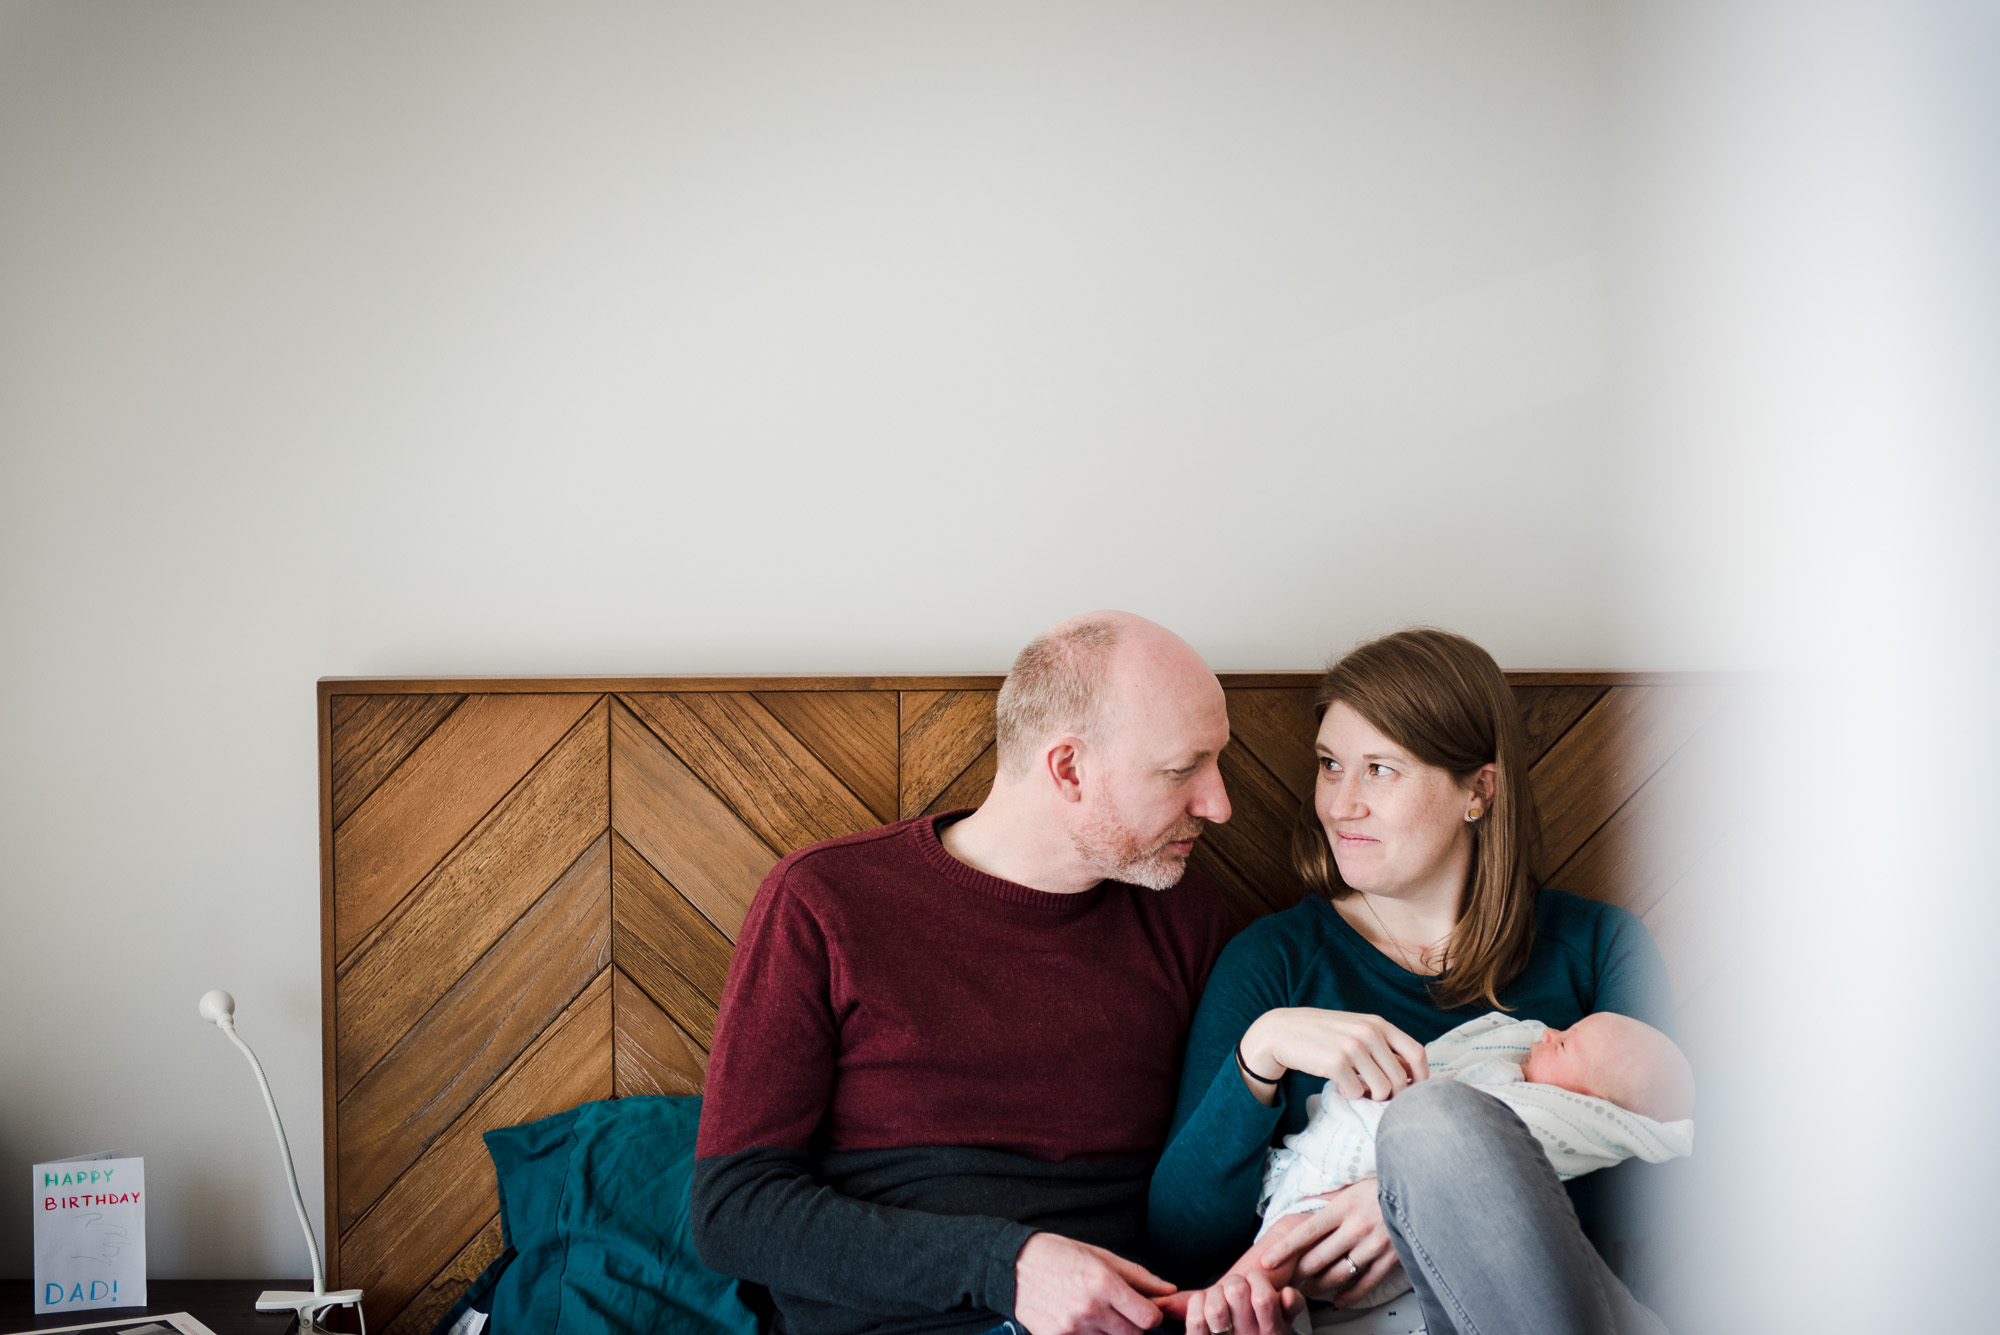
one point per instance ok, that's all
(1472, 814)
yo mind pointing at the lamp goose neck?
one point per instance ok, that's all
(227, 1024)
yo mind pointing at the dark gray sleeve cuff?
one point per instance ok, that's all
(999, 1280)
(761, 1215)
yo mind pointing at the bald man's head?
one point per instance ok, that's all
(1056, 687)
(1063, 683)
(1109, 728)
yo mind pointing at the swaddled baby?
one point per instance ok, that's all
(1606, 1089)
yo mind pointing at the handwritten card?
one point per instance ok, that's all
(90, 1233)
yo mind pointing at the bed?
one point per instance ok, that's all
(530, 886)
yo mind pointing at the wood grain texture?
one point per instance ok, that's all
(448, 1285)
(1277, 728)
(444, 1200)
(448, 784)
(487, 1019)
(852, 732)
(970, 788)
(1670, 822)
(744, 756)
(535, 835)
(340, 708)
(1243, 902)
(1256, 841)
(666, 945)
(1547, 712)
(652, 1055)
(943, 732)
(690, 835)
(1607, 754)
(373, 735)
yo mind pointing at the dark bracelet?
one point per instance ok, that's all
(1244, 1067)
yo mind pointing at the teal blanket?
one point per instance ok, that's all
(594, 1218)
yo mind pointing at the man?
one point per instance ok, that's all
(946, 1055)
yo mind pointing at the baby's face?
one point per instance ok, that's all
(1616, 1058)
(1570, 1058)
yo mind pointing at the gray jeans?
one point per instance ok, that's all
(1485, 1229)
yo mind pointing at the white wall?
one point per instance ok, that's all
(1809, 205)
(524, 338)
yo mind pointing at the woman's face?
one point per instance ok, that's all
(1397, 826)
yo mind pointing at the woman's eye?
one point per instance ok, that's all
(1380, 770)
(1329, 764)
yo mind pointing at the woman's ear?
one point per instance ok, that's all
(1485, 783)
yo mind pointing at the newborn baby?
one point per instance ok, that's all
(1607, 1088)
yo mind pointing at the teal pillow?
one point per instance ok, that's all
(594, 1208)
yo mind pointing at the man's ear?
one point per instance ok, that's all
(1065, 767)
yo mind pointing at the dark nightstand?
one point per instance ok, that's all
(225, 1306)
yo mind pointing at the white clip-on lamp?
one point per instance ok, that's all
(219, 1009)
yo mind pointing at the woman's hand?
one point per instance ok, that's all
(1321, 1245)
(1242, 1302)
(1364, 1055)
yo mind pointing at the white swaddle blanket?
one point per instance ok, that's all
(1577, 1132)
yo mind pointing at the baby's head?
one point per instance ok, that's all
(1617, 1059)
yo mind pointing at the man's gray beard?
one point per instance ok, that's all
(1109, 849)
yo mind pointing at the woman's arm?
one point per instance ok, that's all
(1631, 976)
(1203, 1206)
(1365, 1056)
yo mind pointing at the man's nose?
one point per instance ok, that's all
(1211, 801)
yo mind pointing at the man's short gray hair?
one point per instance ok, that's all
(1056, 688)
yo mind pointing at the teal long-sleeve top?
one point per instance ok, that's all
(1202, 1211)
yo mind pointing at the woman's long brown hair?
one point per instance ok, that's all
(1443, 699)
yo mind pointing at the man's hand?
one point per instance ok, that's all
(1348, 1228)
(1063, 1287)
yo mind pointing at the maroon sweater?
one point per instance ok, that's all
(917, 1066)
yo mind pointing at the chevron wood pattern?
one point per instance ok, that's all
(532, 888)
(944, 734)
(426, 805)
(435, 1299)
(377, 734)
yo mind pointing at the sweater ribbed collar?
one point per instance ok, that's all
(925, 832)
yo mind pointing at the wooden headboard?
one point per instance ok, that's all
(530, 887)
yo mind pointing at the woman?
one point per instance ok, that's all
(1420, 841)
